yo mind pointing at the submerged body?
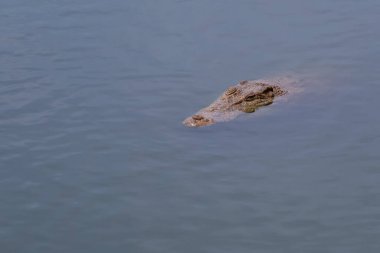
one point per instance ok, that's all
(246, 97)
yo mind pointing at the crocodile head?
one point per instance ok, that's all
(246, 97)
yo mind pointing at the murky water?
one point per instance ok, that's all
(93, 156)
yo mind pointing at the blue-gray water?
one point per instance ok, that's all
(93, 156)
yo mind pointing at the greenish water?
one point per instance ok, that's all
(93, 156)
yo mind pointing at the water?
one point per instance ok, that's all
(93, 156)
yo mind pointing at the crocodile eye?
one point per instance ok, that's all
(249, 97)
(230, 91)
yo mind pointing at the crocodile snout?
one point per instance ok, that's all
(198, 120)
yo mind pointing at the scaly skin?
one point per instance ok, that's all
(246, 97)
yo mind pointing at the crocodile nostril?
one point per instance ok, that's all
(197, 117)
(243, 82)
(268, 90)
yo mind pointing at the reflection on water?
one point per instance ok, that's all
(94, 157)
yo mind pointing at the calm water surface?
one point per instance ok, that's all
(93, 156)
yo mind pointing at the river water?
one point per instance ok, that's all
(94, 158)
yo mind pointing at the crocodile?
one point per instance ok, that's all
(244, 97)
